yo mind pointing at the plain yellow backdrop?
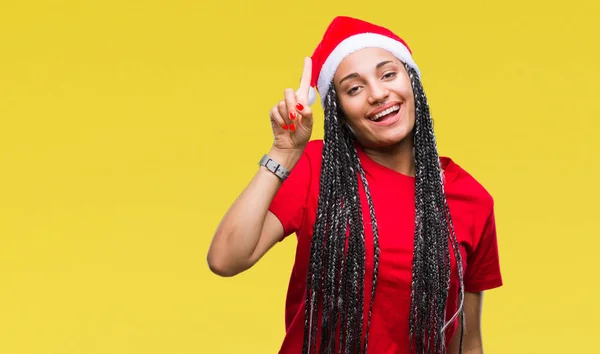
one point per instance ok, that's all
(128, 127)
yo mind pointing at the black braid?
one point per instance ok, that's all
(336, 271)
(434, 228)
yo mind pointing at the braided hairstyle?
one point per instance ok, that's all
(336, 271)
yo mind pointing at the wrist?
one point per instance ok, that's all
(286, 157)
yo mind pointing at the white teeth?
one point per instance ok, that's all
(387, 111)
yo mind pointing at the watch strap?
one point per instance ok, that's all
(274, 167)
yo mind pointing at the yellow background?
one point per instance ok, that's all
(128, 128)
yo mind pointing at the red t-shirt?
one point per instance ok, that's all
(471, 207)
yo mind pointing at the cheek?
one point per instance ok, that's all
(410, 104)
(406, 91)
(411, 111)
(403, 87)
(352, 110)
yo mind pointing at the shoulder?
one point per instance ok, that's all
(462, 184)
(312, 155)
(314, 148)
(309, 163)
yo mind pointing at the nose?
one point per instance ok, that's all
(378, 93)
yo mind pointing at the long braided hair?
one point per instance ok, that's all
(336, 271)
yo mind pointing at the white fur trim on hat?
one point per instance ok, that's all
(312, 96)
(354, 43)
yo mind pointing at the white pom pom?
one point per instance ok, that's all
(312, 96)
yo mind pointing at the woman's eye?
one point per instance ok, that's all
(353, 90)
(389, 75)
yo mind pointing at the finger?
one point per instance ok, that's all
(305, 116)
(302, 92)
(277, 119)
(284, 114)
(290, 103)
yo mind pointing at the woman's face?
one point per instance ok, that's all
(376, 96)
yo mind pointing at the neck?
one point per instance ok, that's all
(399, 157)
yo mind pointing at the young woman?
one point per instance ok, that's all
(395, 244)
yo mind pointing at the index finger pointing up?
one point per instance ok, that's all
(302, 92)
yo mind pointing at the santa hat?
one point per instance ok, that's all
(344, 36)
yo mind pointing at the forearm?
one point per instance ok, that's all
(473, 350)
(469, 347)
(239, 232)
(472, 341)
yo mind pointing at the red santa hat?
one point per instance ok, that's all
(344, 36)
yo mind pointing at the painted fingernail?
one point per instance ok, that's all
(292, 127)
(299, 107)
(284, 126)
(292, 115)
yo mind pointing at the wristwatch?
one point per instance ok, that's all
(274, 167)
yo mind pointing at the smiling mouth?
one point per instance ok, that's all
(385, 114)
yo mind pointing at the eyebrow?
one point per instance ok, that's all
(353, 75)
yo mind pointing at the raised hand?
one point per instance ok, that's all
(291, 118)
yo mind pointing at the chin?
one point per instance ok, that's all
(388, 139)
